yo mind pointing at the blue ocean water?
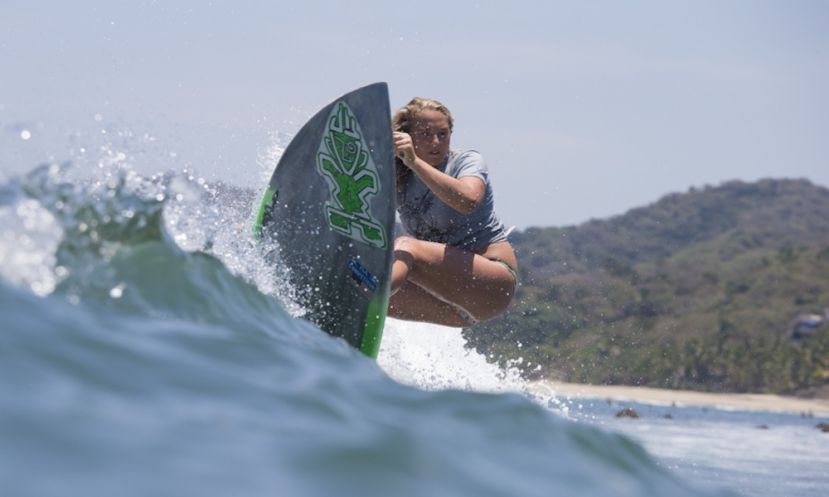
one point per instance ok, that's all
(757, 453)
(146, 348)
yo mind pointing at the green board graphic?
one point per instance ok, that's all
(344, 160)
(329, 210)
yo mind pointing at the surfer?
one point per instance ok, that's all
(456, 267)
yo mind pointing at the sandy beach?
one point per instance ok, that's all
(645, 395)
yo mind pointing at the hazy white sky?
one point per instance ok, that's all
(582, 109)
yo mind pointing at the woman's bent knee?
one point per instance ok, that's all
(403, 250)
(404, 243)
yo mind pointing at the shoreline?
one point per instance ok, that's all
(728, 401)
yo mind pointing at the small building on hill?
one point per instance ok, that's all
(805, 325)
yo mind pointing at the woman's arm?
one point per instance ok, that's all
(462, 194)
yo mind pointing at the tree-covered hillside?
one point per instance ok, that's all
(698, 290)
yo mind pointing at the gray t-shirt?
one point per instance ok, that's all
(426, 217)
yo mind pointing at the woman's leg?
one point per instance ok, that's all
(482, 287)
(412, 303)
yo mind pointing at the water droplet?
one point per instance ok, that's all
(117, 291)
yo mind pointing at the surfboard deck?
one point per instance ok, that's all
(329, 208)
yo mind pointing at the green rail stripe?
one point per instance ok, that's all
(264, 205)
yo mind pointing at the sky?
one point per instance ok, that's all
(582, 109)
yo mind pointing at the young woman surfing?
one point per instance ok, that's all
(457, 267)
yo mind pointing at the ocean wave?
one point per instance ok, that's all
(146, 349)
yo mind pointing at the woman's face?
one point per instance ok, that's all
(430, 136)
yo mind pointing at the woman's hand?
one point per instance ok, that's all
(404, 148)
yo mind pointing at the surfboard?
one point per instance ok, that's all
(329, 209)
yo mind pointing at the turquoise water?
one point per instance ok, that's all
(146, 349)
(758, 453)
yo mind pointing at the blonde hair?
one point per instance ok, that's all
(404, 119)
(406, 115)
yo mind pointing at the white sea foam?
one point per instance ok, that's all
(29, 236)
(434, 357)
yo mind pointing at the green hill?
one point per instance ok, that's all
(698, 290)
